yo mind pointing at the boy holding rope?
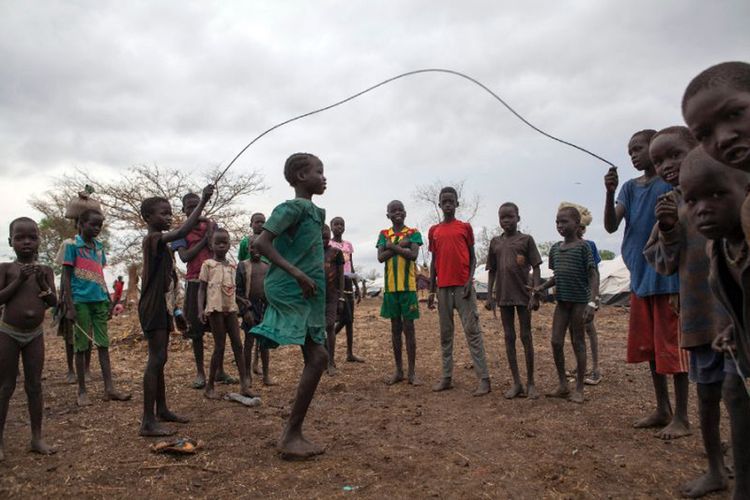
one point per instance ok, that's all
(89, 306)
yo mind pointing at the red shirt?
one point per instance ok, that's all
(449, 244)
(193, 237)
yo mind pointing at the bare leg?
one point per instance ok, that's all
(560, 322)
(709, 409)
(88, 363)
(33, 364)
(163, 413)
(507, 316)
(596, 375)
(9, 352)
(157, 358)
(255, 360)
(83, 399)
(331, 348)
(663, 413)
(293, 444)
(411, 352)
(265, 356)
(578, 339)
(198, 354)
(110, 394)
(680, 425)
(70, 378)
(738, 407)
(397, 327)
(218, 329)
(350, 357)
(524, 320)
(233, 330)
(247, 353)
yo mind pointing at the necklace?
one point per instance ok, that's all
(740, 256)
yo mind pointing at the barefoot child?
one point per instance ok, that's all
(653, 331)
(217, 303)
(159, 279)
(26, 290)
(295, 290)
(452, 276)
(398, 247)
(351, 288)
(245, 252)
(713, 194)
(512, 258)
(676, 246)
(334, 264)
(88, 303)
(251, 300)
(574, 280)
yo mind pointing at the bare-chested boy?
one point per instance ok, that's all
(26, 290)
(334, 266)
(245, 252)
(251, 299)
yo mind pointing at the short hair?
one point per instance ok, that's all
(572, 211)
(392, 202)
(733, 74)
(338, 217)
(681, 131)
(20, 220)
(86, 215)
(648, 133)
(511, 205)
(220, 230)
(149, 204)
(448, 189)
(296, 163)
(326, 227)
(255, 215)
(189, 196)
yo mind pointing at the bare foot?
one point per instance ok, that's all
(514, 392)
(155, 430)
(482, 388)
(168, 416)
(83, 400)
(704, 485)
(247, 392)
(268, 381)
(414, 380)
(116, 396)
(331, 370)
(395, 378)
(39, 446)
(656, 419)
(70, 378)
(531, 392)
(298, 448)
(443, 385)
(226, 379)
(351, 358)
(562, 391)
(257, 369)
(211, 394)
(576, 397)
(676, 429)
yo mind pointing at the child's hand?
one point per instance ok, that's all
(588, 313)
(723, 342)
(431, 301)
(467, 288)
(27, 270)
(41, 279)
(666, 212)
(181, 323)
(70, 313)
(611, 180)
(534, 303)
(308, 286)
(490, 305)
(203, 317)
(248, 318)
(405, 243)
(208, 191)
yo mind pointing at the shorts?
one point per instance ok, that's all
(91, 323)
(706, 365)
(400, 305)
(654, 334)
(196, 329)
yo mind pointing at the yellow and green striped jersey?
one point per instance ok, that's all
(400, 273)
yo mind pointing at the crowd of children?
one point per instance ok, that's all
(687, 226)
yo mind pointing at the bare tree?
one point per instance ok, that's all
(482, 240)
(428, 195)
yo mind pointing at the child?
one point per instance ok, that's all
(595, 377)
(452, 274)
(88, 303)
(118, 287)
(351, 289)
(251, 300)
(217, 303)
(398, 247)
(157, 280)
(334, 263)
(26, 290)
(713, 195)
(256, 225)
(194, 249)
(653, 333)
(676, 246)
(574, 280)
(295, 290)
(511, 258)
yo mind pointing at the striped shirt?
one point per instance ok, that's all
(400, 273)
(571, 266)
(87, 282)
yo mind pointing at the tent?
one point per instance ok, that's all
(614, 284)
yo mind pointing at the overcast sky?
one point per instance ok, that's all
(108, 85)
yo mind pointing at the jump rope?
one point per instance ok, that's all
(448, 72)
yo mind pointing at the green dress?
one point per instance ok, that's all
(290, 318)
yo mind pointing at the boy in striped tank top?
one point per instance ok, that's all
(398, 247)
(575, 292)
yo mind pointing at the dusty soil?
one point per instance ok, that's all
(396, 442)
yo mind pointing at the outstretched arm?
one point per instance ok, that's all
(613, 213)
(192, 220)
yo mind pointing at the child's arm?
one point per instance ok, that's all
(242, 303)
(67, 274)
(192, 220)
(594, 287)
(662, 251)
(536, 279)
(45, 278)
(433, 284)
(8, 290)
(264, 244)
(490, 304)
(354, 281)
(472, 268)
(613, 213)
(188, 254)
(202, 302)
(340, 278)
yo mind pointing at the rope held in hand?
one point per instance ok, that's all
(403, 75)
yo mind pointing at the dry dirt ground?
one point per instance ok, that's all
(398, 442)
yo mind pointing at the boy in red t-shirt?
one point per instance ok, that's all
(451, 273)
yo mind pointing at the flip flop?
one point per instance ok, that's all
(244, 400)
(181, 446)
(227, 380)
(592, 381)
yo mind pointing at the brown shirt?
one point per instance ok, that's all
(220, 285)
(511, 258)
